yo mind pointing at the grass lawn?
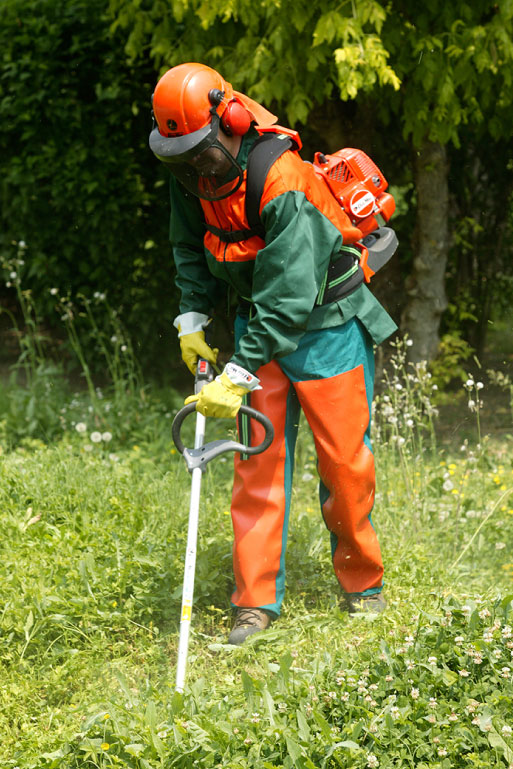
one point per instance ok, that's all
(91, 569)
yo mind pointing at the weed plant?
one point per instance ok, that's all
(38, 403)
(94, 536)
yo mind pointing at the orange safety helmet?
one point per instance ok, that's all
(191, 101)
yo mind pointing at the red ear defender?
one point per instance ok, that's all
(235, 120)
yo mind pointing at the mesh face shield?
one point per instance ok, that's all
(199, 161)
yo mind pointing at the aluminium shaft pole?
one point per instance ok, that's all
(190, 560)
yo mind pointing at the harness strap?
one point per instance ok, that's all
(230, 236)
(343, 276)
(264, 152)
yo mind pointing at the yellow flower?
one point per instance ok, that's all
(105, 746)
(452, 466)
(106, 716)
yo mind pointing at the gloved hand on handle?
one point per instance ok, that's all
(223, 397)
(191, 334)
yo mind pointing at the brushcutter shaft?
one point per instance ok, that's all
(188, 579)
(204, 374)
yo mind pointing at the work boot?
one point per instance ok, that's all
(247, 622)
(356, 603)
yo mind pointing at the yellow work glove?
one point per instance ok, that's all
(220, 398)
(193, 346)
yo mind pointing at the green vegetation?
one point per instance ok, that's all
(426, 91)
(94, 530)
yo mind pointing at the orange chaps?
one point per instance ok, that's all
(329, 377)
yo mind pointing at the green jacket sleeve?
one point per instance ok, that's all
(287, 277)
(200, 290)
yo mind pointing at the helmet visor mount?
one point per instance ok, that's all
(182, 155)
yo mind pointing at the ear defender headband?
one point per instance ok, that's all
(235, 120)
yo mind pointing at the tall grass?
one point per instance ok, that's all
(94, 534)
(91, 571)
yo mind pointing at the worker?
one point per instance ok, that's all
(302, 342)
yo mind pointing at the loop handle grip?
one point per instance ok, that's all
(202, 456)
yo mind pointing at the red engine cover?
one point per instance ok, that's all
(359, 186)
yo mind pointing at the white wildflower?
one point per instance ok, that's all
(81, 427)
(95, 437)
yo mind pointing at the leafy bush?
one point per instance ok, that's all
(80, 187)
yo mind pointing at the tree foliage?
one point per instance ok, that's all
(455, 62)
(80, 187)
(290, 52)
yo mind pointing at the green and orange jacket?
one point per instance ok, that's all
(282, 276)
